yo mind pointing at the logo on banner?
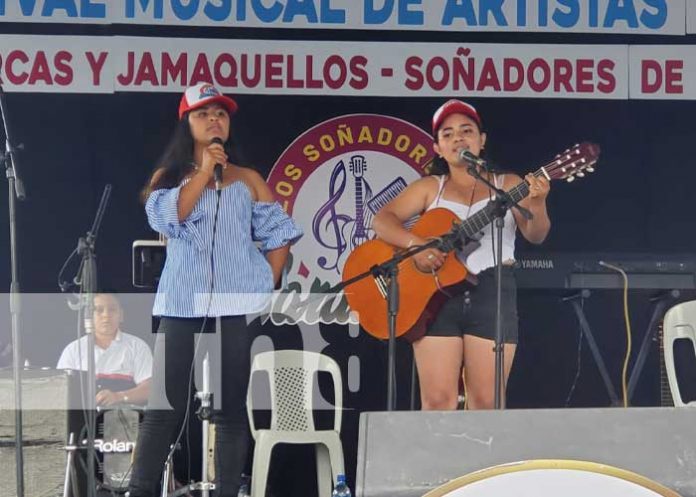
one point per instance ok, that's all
(333, 179)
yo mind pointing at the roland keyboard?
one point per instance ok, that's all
(582, 270)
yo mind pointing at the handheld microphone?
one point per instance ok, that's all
(466, 156)
(217, 170)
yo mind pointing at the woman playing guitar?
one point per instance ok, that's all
(463, 331)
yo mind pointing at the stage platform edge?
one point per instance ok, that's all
(408, 453)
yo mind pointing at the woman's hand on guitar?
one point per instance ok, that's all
(538, 187)
(429, 260)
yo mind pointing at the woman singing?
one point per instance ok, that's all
(463, 332)
(222, 268)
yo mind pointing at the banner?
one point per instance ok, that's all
(319, 68)
(691, 18)
(664, 17)
(666, 72)
(56, 64)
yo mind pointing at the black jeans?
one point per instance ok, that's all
(173, 356)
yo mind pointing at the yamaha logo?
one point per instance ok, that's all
(536, 263)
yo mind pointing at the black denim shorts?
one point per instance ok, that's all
(473, 311)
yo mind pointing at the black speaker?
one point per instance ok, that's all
(407, 454)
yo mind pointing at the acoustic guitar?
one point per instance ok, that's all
(419, 291)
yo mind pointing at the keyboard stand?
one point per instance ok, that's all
(660, 303)
(576, 301)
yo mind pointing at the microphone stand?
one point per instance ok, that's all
(87, 278)
(502, 203)
(16, 192)
(205, 414)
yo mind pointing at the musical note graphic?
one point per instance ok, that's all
(327, 224)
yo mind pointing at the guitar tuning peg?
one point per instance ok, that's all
(581, 174)
(589, 169)
(570, 179)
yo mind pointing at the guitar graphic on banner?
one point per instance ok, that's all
(339, 232)
(363, 220)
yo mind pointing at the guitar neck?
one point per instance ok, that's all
(485, 216)
(571, 163)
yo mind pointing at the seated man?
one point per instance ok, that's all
(122, 362)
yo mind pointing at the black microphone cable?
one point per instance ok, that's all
(217, 172)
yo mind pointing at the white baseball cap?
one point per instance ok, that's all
(204, 94)
(454, 106)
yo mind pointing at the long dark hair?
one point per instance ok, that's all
(176, 161)
(437, 166)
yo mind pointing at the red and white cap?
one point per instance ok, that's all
(454, 106)
(204, 94)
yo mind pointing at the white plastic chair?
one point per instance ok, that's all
(679, 322)
(291, 375)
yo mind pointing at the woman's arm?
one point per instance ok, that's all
(388, 223)
(191, 192)
(278, 257)
(535, 230)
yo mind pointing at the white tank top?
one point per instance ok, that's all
(484, 256)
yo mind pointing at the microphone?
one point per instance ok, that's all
(217, 170)
(466, 156)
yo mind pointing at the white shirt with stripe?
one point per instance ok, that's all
(127, 358)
